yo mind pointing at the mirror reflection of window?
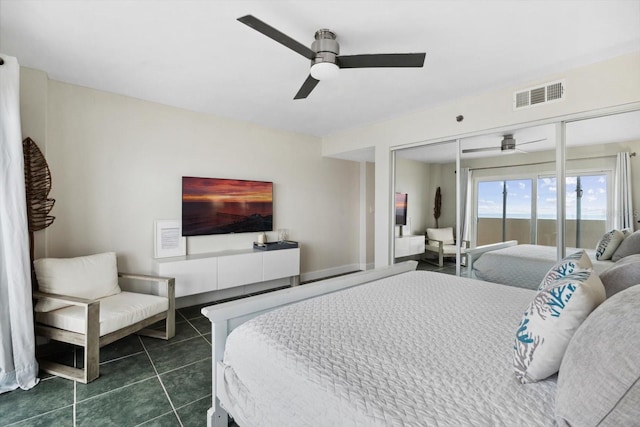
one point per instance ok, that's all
(586, 201)
(504, 211)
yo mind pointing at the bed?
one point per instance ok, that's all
(394, 347)
(520, 265)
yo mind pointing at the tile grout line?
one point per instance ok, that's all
(208, 396)
(38, 415)
(184, 366)
(198, 330)
(97, 396)
(75, 405)
(153, 419)
(153, 365)
(74, 417)
(121, 358)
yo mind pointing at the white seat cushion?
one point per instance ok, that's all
(116, 312)
(446, 249)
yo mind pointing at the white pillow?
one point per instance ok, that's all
(572, 266)
(90, 277)
(551, 319)
(444, 234)
(629, 246)
(608, 244)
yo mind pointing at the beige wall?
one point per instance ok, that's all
(443, 176)
(33, 111)
(370, 170)
(604, 85)
(117, 164)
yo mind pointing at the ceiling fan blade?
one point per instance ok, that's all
(306, 88)
(382, 60)
(531, 142)
(276, 35)
(477, 150)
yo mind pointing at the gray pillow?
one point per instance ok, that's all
(599, 378)
(629, 246)
(621, 275)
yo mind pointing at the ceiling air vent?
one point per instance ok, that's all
(538, 95)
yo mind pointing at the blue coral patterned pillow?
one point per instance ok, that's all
(573, 266)
(553, 316)
(608, 244)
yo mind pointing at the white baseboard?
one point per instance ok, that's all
(222, 294)
(321, 274)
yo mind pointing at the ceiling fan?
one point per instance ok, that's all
(325, 57)
(507, 145)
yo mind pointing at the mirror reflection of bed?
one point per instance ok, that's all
(512, 194)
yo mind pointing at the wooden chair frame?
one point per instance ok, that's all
(440, 252)
(91, 340)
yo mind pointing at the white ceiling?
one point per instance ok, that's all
(196, 55)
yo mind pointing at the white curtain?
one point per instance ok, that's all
(18, 366)
(465, 203)
(623, 213)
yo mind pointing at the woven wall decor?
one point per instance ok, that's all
(37, 179)
(437, 206)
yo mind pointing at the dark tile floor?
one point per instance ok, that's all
(449, 267)
(143, 382)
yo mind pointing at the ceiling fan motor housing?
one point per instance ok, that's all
(325, 46)
(508, 143)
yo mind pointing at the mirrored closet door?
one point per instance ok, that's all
(425, 205)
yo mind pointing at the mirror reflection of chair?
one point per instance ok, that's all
(80, 302)
(441, 242)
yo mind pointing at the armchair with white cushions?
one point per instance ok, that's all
(80, 301)
(441, 242)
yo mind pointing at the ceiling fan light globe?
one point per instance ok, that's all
(324, 71)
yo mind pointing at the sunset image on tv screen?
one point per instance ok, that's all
(220, 206)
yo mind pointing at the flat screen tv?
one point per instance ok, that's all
(401, 208)
(222, 206)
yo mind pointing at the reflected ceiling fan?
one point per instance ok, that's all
(325, 57)
(507, 145)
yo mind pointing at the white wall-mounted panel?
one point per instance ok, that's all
(241, 269)
(281, 263)
(193, 276)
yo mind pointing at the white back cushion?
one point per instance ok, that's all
(444, 234)
(90, 277)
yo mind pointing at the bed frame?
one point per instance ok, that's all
(474, 254)
(227, 316)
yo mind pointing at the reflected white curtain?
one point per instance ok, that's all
(18, 366)
(623, 203)
(465, 203)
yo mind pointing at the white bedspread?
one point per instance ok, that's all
(418, 349)
(525, 265)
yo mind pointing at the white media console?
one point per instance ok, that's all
(409, 245)
(208, 272)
